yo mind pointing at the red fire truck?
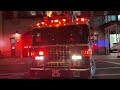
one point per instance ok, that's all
(62, 49)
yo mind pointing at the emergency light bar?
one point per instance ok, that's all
(81, 20)
(61, 22)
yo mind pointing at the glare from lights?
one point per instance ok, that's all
(82, 19)
(64, 20)
(77, 19)
(42, 23)
(41, 53)
(55, 20)
(39, 58)
(38, 24)
(74, 57)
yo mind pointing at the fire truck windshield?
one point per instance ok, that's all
(69, 34)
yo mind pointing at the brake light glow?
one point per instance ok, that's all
(41, 53)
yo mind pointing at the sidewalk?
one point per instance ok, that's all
(111, 56)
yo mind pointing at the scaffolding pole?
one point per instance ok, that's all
(118, 40)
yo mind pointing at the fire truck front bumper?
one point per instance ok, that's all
(39, 73)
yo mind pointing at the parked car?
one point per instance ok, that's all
(115, 47)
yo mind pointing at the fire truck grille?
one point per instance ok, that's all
(58, 53)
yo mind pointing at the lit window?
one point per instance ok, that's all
(118, 17)
(33, 13)
(113, 17)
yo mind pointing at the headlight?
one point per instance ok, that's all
(75, 57)
(39, 58)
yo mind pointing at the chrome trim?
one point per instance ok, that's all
(61, 69)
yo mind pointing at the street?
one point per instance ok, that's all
(107, 67)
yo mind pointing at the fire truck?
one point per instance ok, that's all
(62, 49)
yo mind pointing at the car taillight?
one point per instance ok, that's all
(41, 53)
(86, 52)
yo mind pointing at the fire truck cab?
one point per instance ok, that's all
(62, 49)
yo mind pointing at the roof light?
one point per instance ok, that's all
(82, 19)
(56, 20)
(38, 24)
(41, 53)
(42, 23)
(64, 20)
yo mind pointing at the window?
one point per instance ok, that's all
(113, 17)
(118, 17)
(33, 13)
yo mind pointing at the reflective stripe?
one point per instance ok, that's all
(61, 69)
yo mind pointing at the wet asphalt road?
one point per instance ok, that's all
(105, 69)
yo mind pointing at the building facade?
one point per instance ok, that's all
(16, 27)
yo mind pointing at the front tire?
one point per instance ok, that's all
(92, 67)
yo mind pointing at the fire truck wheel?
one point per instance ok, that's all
(92, 67)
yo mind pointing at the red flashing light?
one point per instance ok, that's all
(86, 52)
(42, 23)
(41, 52)
(32, 53)
(56, 20)
(17, 41)
(38, 24)
(64, 20)
(82, 19)
(77, 19)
